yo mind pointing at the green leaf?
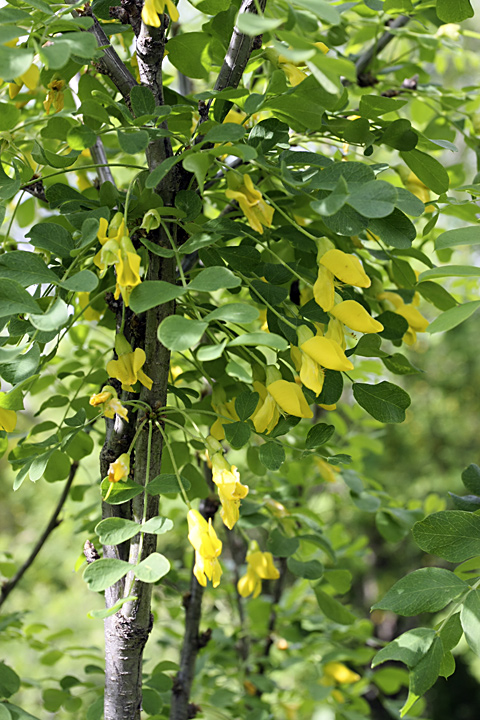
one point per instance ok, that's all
(232, 312)
(237, 434)
(272, 340)
(453, 535)
(333, 609)
(115, 530)
(246, 404)
(81, 137)
(14, 299)
(399, 364)
(451, 633)
(179, 333)
(26, 268)
(198, 164)
(427, 169)
(424, 674)
(374, 199)
(4, 712)
(121, 492)
(319, 435)
(453, 317)
(372, 106)
(253, 25)
(272, 455)
(311, 570)
(399, 135)
(188, 202)
(106, 612)
(227, 132)
(206, 353)
(151, 293)
(425, 590)
(408, 648)
(23, 366)
(58, 467)
(436, 294)
(155, 177)
(471, 478)
(14, 61)
(187, 53)
(322, 10)
(9, 680)
(470, 619)
(142, 101)
(395, 230)
(52, 237)
(458, 237)
(167, 483)
(157, 525)
(83, 281)
(9, 116)
(54, 319)
(280, 545)
(154, 567)
(450, 271)
(385, 402)
(133, 141)
(214, 278)
(454, 11)
(103, 573)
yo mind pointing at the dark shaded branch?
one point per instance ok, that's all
(193, 640)
(239, 50)
(99, 157)
(376, 48)
(8, 586)
(110, 64)
(279, 585)
(36, 189)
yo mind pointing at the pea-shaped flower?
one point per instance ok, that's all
(128, 369)
(230, 490)
(207, 546)
(259, 567)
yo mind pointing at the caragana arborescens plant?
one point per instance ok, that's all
(236, 218)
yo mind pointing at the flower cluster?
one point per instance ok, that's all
(111, 405)
(227, 480)
(259, 567)
(117, 249)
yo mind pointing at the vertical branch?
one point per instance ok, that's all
(370, 53)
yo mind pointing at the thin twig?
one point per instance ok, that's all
(376, 47)
(99, 157)
(8, 586)
(110, 64)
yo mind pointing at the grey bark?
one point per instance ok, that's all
(366, 58)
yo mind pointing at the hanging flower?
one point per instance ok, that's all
(324, 351)
(278, 395)
(230, 490)
(30, 78)
(111, 404)
(128, 271)
(207, 548)
(251, 202)
(110, 235)
(119, 469)
(8, 419)
(128, 370)
(340, 674)
(259, 567)
(54, 96)
(354, 315)
(224, 409)
(84, 302)
(333, 264)
(152, 9)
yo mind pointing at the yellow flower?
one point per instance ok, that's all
(259, 567)
(235, 116)
(278, 395)
(311, 374)
(335, 332)
(251, 202)
(344, 266)
(119, 469)
(207, 548)
(354, 315)
(340, 673)
(30, 78)
(128, 370)
(325, 352)
(230, 490)
(153, 8)
(111, 404)
(110, 236)
(327, 471)
(415, 319)
(8, 419)
(294, 75)
(224, 409)
(54, 96)
(128, 273)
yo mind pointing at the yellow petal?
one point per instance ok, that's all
(414, 318)
(354, 315)
(150, 17)
(311, 374)
(340, 673)
(326, 353)
(290, 398)
(31, 78)
(324, 289)
(345, 267)
(8, 419)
